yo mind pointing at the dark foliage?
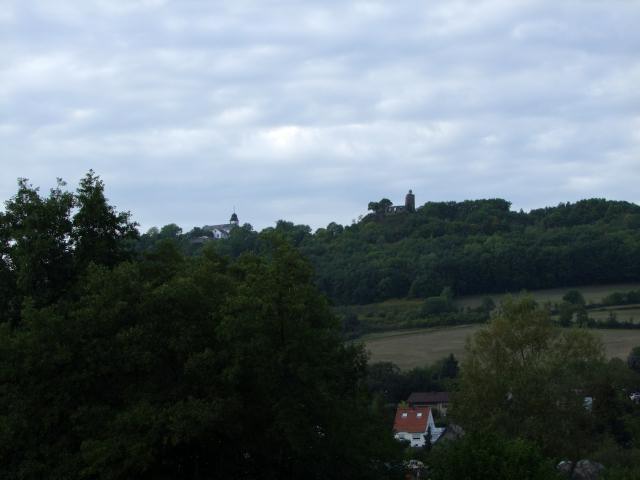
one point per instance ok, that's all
(479, 246)
(171, 367)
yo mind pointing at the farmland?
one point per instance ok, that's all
(413, 348)
(400, 314)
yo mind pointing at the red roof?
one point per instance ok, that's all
(411, 420)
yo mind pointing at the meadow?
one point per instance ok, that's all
(401, 314)
(415, 348)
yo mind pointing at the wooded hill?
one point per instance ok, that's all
(477, 246)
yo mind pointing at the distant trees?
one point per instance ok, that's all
(574, 297)
(473, 247)
(386, 380)
(381, 206)
(476, 247)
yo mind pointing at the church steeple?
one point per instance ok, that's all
(234, 218)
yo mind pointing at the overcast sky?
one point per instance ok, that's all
(308, 110)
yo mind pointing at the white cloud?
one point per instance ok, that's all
(278, 106)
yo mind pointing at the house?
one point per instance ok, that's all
(436, 400)
(414, 424)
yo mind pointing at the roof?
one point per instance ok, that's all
(224, 227)
(411, 420)
(428, 397)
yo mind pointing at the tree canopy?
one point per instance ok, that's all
(473, 247)
(166, 366)
(523, 376)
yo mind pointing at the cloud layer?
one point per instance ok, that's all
(309, 110)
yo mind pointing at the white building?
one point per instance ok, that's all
(223, 230)
(414, 424)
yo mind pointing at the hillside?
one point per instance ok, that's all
(473, 247)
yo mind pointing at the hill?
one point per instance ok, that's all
(472, 247)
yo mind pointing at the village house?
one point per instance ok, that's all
(415, 425)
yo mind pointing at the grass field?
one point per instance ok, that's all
(405, 313)
(623, 313)
(413, 348)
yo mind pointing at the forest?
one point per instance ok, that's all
(471, 247)
(132, 357)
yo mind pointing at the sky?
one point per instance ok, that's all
(308, 110)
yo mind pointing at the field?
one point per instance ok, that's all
(393, 315)
(415, 348)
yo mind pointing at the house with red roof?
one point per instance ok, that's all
(414, 424)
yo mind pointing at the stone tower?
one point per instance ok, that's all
(410, 202)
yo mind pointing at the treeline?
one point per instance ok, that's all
(479, 246)
(393, 386)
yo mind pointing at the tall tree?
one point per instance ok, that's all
(100, 233)
(35, 246)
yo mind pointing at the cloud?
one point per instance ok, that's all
(309, 110)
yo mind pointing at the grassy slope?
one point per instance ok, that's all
(390, 315)
(413, 348)
(416, 347)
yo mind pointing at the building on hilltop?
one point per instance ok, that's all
(409, 205)
(223, 230)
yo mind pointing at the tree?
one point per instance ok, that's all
(427, 439)
(488, 305)
(633, 359)
(100, 234)
(574, 297)
(522, 377)
(448, 367)
(381, 206)
(566, 311)
(188, 368)
(35, 246)
(489, 456)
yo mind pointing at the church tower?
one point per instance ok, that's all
(410, 202)
(234, 220)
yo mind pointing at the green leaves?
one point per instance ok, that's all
(45, 247)
(522, 376)
(188, 368)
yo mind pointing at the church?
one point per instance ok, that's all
(223, 230)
